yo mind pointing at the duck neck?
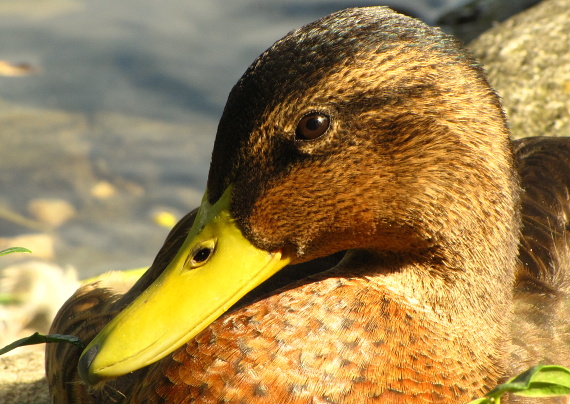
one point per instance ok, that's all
(466, 300)
(442, 284)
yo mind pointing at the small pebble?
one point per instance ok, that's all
(103, 190)
(54, 212)
(165, 219)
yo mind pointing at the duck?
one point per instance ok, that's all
(369, 233)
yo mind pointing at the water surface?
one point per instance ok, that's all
(120, 117)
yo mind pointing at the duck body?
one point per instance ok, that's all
(373, 137)
(349, 350)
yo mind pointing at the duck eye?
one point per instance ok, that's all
(312, 126)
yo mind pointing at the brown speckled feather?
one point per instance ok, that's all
(543, 280)
(416, 180)
(544, 167)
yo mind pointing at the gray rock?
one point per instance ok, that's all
(470, 20)
(527, 59)
(22, 379)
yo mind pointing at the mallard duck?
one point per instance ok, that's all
(358, 240)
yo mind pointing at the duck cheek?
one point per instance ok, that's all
(290, 219)
(279, 217)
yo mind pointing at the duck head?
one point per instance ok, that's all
(363, 131)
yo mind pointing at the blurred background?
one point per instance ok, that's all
(108, 111)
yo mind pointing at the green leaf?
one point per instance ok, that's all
(9, 298)
(38, 338)
(516, 384)
(548, 381)
(538, 381)
(14, 250)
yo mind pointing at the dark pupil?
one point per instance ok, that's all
(202, 255)
(314, 123)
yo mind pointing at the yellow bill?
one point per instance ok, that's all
(215, 267)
